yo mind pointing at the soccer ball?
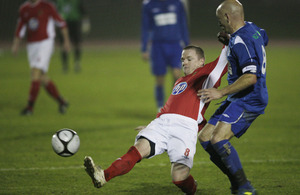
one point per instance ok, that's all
(65, 142)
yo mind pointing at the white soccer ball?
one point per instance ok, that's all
(65, 142)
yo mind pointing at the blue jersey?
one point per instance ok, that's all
(164, 21)
(247, 55)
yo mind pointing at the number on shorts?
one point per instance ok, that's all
(187, 152)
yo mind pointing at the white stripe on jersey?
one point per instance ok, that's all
(51, 27)
(213, 77)
(237, 40)
(23, 31)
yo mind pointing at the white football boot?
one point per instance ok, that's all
(95, 172)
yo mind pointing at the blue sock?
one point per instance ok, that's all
(232, 161)
(205, 144)
(216, 159)
(159, 96)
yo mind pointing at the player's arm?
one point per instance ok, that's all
(145, 32)
(65, 34)
(15, 45)
(61, 23)
(19, 34)
(248, 78)
(245, 81)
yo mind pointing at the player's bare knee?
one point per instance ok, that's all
(179, 171)
(143, 146)
(206, 133)
(202, 137)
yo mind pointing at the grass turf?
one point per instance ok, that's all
(110, 97)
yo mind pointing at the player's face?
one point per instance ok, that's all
(223, 21)
(191, 61)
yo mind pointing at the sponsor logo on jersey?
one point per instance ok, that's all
(33, 24)
(256, 35)
(179, 88)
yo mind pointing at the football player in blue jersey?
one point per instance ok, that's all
(247, 95)
(164, 24)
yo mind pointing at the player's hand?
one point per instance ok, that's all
(85, 26)
(139, 128)
(15, 46)
(208, 95)
(145, 56)
(14, 49)
(67, 45)
(223, 37)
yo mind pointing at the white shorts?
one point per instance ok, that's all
(175, 134)
(39, 54)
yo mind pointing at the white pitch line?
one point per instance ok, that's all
(148, 165)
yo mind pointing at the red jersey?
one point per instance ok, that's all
(39, 20)
(184, 100)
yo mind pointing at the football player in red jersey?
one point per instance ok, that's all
(175, 129)
(38, 18)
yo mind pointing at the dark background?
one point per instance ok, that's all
(121, 19)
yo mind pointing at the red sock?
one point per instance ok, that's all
(124, 164)
(188, 185)
(52, 90)
(33, 93)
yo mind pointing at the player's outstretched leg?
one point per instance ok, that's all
(95, 172)
(119, 167)
(188, 186)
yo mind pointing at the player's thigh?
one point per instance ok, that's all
(156, 134)
(143, 146)
(36, 74)
(206, 133)
(234, 120)
(221, 132)
(39, 54)
(218, 113)
(174, 55)
(182, 141)
(158, 59)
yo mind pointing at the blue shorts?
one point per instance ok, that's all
(232, 113)
(164, 54)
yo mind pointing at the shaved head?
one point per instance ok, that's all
(231, 15)
(234, 7)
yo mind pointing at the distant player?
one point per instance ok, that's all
(38, 19)
(175, 129)
(164, 24)
(74, 13)
(247, 95)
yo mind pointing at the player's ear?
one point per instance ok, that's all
(202, 62)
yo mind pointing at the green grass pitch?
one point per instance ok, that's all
(110, 97)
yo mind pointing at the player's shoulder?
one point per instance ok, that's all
(146, 2)
(24, 6)
(243, 35)
(249, 34)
